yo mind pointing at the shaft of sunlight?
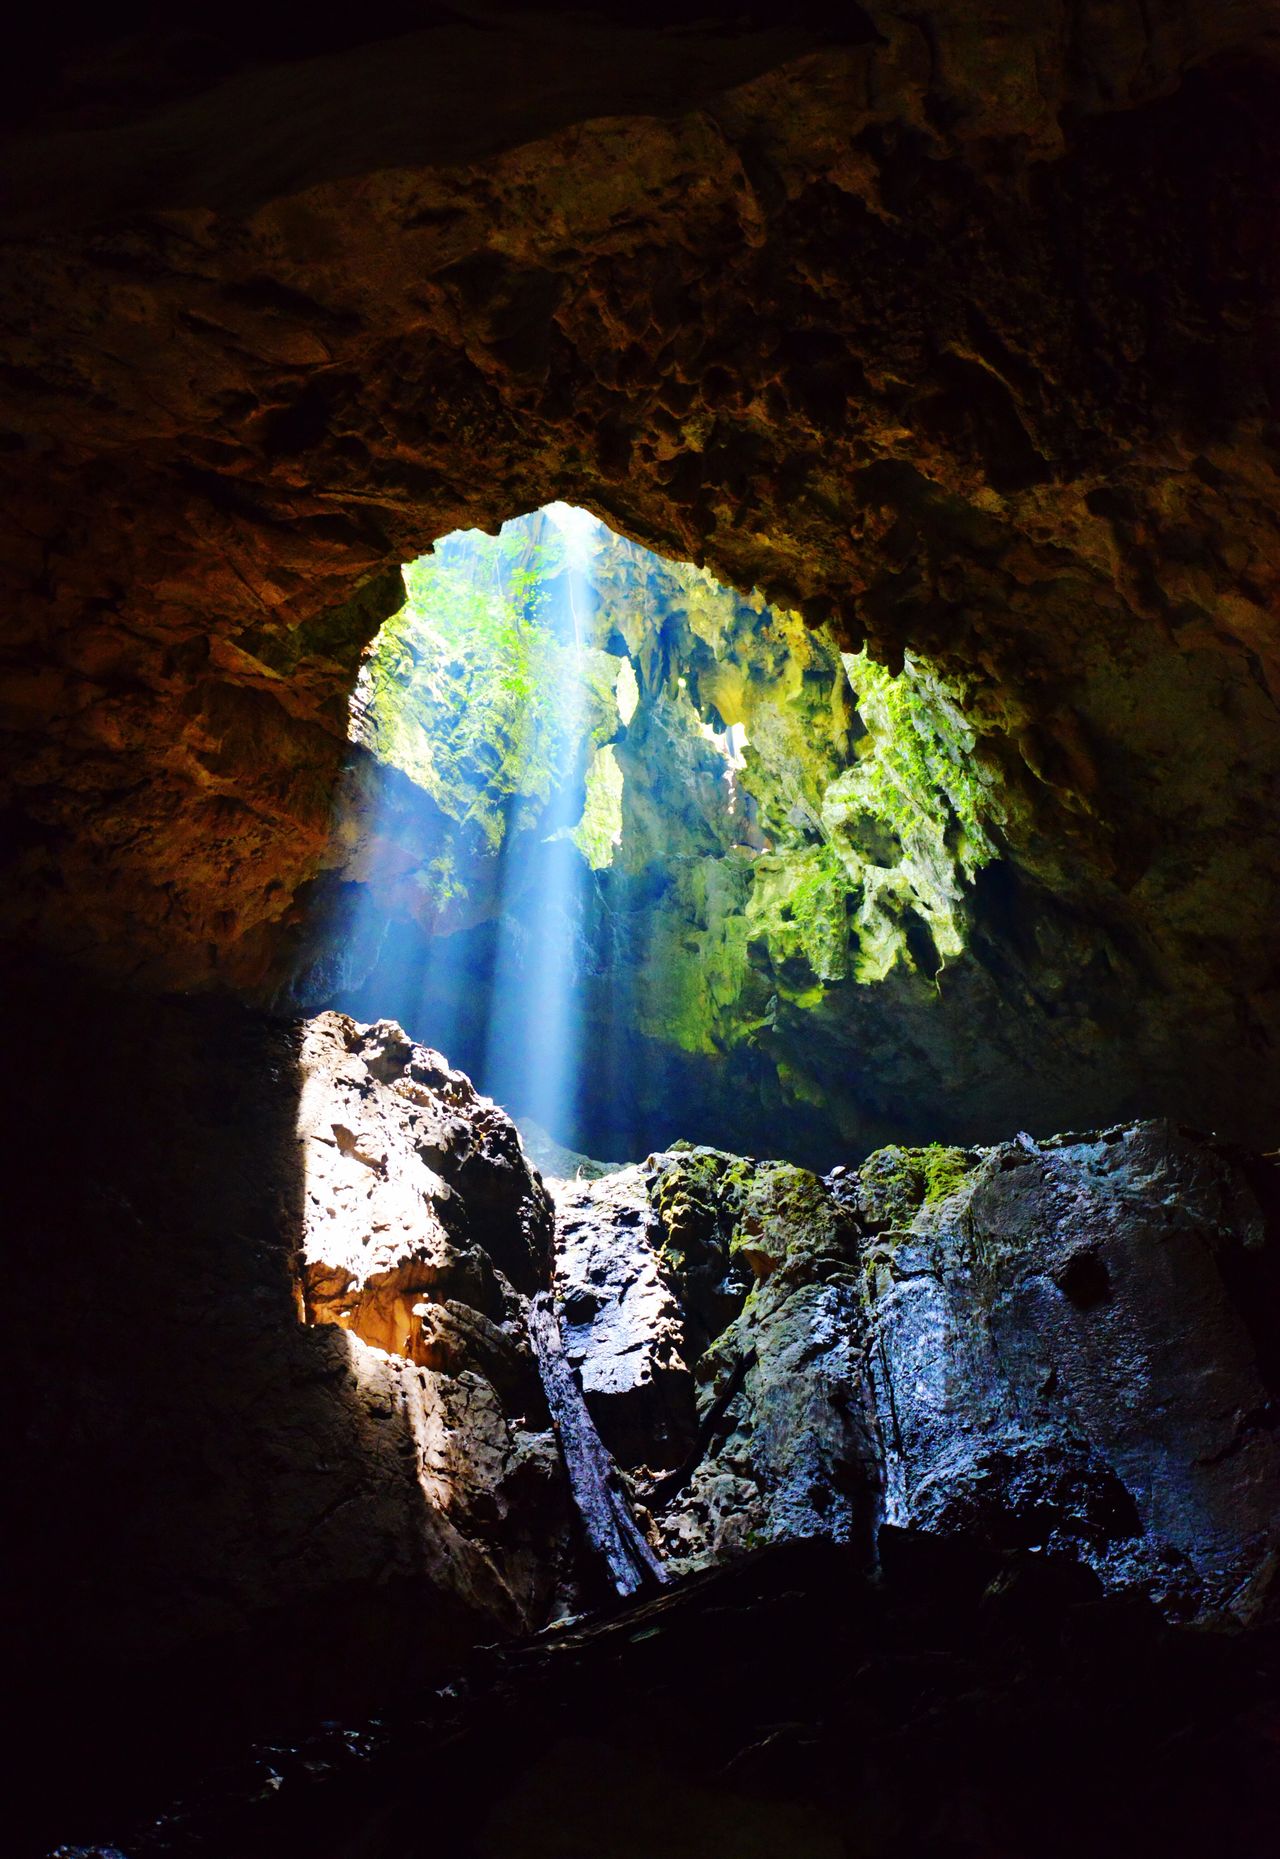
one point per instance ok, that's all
(533, 1058)
(487, 704)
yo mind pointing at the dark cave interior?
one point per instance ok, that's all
(851, 837)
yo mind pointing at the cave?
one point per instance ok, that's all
(640, 821)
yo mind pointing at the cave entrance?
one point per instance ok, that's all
(638, 845)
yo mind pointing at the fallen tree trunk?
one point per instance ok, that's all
(610, 1528)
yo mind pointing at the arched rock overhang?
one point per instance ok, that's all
(957, 333)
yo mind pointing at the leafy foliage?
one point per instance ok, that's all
(477, 688)
(834, 848)
(921, 768)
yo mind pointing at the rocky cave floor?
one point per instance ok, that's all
(963, 1703)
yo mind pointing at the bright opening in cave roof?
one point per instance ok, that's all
(653, 813)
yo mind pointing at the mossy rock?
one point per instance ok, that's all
(786, 1218)
(897, 1183)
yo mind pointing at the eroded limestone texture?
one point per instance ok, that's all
(954, 330)
(422, 1229)
(1068, 1348)
(1077, 1348)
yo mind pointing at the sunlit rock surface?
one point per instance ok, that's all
(622, 1321)
(422, 1227)
(238, 1504)
(408, 1170)
(1069, 1347)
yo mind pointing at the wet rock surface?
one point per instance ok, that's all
(1076, 1349)
(622, 1322)
(1068, 1348)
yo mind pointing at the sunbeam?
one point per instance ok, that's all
(525, 797)
(534, 1038)
(622, 837)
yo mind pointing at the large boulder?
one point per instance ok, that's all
(284, 1445)
(421, 1219)
(726, 1297)
(1076, 1349)
(1068, 1348)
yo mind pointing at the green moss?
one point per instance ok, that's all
(893, 1186)
(898, 1182)
(907, 818)
(798, 907)
(785, 1219)
(697, 975)
(944, 1171)
(695, 1196)
(917, 763)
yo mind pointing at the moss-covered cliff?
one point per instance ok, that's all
(767, 827)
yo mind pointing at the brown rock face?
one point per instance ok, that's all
(230, 1513)
(960, 331)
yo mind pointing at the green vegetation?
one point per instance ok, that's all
(478, 689)
(599, 832)
(945, 1171)
(917, 762)
(907, 817)
(898, 1182)
(773, 822)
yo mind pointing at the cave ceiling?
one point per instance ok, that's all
(954, 330)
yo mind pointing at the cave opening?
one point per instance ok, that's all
(634, 840)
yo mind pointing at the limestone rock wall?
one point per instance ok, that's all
(1077, 1348)
(424, 1232)
(1069, 1348)
(955, 331)
(281, 1444)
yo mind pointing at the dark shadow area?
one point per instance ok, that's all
(963, 1704)
(215, 1529)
